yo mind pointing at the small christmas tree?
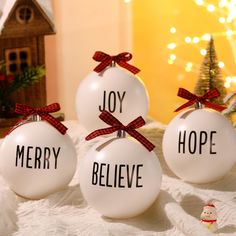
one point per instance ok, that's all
(210, 75)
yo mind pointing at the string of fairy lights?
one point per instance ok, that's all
(225, 11)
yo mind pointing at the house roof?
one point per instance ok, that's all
(45, 6)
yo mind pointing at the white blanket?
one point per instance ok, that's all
(175, 212)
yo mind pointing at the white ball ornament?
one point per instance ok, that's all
(199, 144)
(37, 160)
(113, 89)
(119, 177)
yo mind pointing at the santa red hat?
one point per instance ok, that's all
(210, 205)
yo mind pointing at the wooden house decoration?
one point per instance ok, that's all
(23, 25)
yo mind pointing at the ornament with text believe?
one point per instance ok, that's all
(199, 144)
(120, 177)
(113, 89)
(37, 157)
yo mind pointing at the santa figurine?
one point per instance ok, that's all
(209, 217)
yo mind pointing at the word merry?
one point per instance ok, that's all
(110, 101)
(117, 176)
(36, 157)
(193, 142)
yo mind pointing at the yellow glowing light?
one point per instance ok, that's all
(171, 46)
(172, 57)
(234, 79)
(199, 2)
(211, 8)
(187, 40)
(229, 32)
(170, 62)
(221, 64)
(203, 52)
(196, 40)
(223, 3)
(189, 64)
(206, 37)
(228, 79)
(227, 85)
(173, 30)
(127, 1)
(222, 20)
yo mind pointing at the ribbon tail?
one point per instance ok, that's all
(184, 93)
(214, 106)
(129, 67)
(137, 123)
(54, 122)
(146, 143)
(187, 104)
(99, 132)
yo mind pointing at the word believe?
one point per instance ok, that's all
(117, 176)
(37, 157)
(110, 101)
(194, 141)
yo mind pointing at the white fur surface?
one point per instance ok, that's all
(176, 211)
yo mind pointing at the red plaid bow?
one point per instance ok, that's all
(116, 125)
(43, 112)
(213, 93)
(121, 59)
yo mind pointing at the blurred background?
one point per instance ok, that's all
(168, 40)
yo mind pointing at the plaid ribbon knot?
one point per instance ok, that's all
(43, 112)
(121, 59)
(116, 125)
(213, 93)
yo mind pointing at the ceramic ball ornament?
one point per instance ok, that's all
(37, 158)
(199, 144)
(120, 177)
(113, 89)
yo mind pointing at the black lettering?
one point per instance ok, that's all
(28, 158)
(181, 142)
(120, 177)
(56, 154)
(107, 180)
(115, 178)
(20, 155)
(110, 103)
(192, 141)
(104, 103)
(95, 173)
(138, 185)
(47, 153)
(202, 141)
(121, 99)
(37, 161)
(130, 178)
(101, 175)
(211, 142)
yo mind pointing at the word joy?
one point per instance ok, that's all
(110, 101)
(195, 141)
(37, 157)
(117, 176)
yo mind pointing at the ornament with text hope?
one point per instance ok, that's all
(120, 177)
(37, 157)
(199, 144)
(113, 89)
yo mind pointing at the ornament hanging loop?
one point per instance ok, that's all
(198, 105)
(121, 134)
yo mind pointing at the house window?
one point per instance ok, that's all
(24, 14)
(17, 59)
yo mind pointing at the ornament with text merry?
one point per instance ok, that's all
(37, 157)
(199, 144)
(113, 89)
(120, 177)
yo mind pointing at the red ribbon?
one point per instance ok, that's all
(43, 112)
(116, 125)
(213, 93)
(121, 59)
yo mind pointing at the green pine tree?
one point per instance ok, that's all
(210, 75)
